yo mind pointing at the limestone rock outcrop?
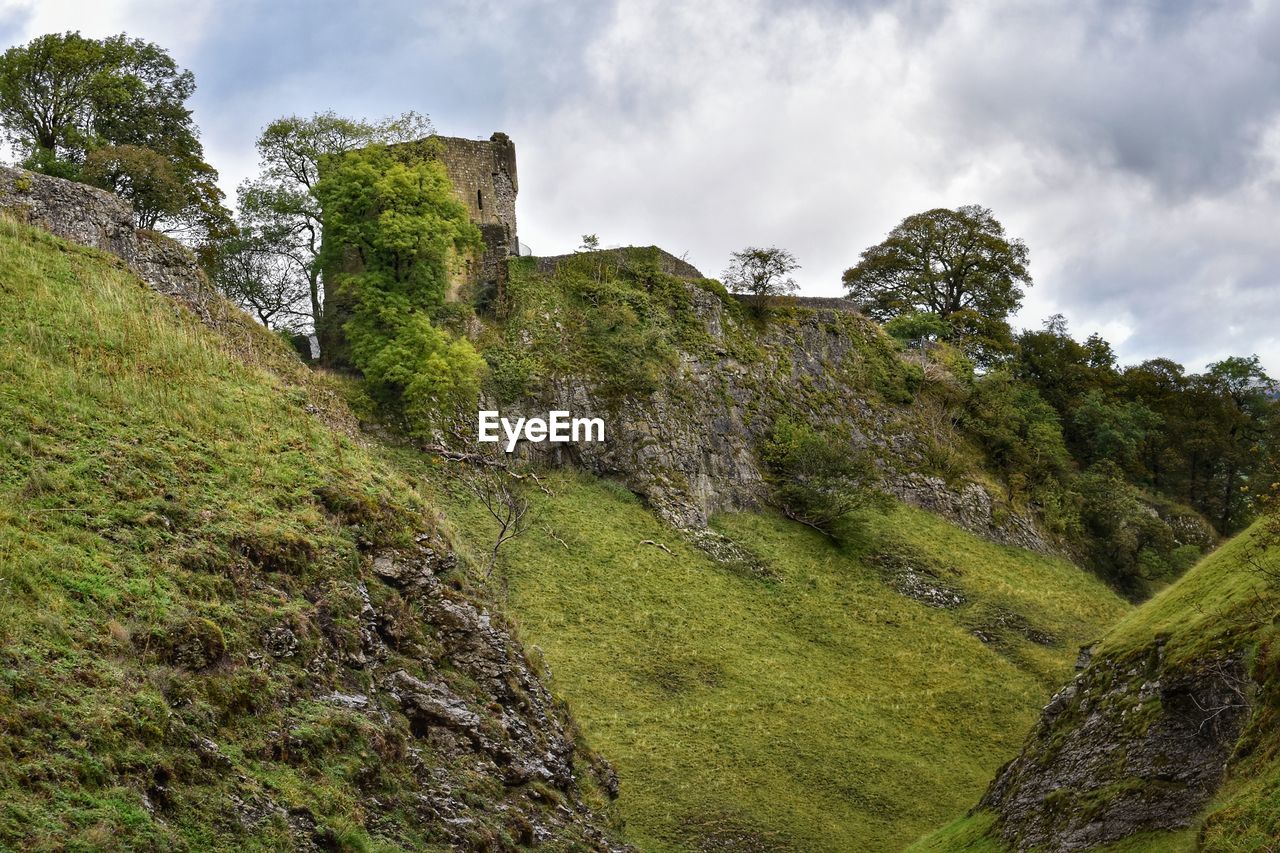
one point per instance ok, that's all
(102, 220)
(1127, 747)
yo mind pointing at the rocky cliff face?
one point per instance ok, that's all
(101, 220)
(496, 728)
(692, 448)
(1127, 747)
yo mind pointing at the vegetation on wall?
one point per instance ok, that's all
(615, 318)
(401, 230)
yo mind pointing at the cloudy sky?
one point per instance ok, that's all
(1135, 146)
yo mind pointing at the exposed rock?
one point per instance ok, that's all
(432, 704)
(918, 581)
(354, 701)
(102, 220)
(1125, 748)
(972, 508)
(691, 448)
(996, 627)
(280, 642)
(500, 714)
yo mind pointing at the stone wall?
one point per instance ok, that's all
(483, 174)
(101, 220)
(663, 260)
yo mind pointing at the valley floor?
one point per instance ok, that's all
(804, 704)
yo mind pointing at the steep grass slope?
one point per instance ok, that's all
(195, 652)
(1215, 626)
(802, 704)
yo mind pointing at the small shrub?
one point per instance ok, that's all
(818, 478)
(195, 644)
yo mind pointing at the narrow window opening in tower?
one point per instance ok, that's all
(479, 200)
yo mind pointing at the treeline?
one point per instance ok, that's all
(1123, 461)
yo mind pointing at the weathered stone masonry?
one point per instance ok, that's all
(483, 174)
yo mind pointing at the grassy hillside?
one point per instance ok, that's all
(1228, 601)
(183, 590)
(807, 707)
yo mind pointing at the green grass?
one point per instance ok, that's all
(1209, 606)
(1224, 603)
(818, 709)
(166, 497)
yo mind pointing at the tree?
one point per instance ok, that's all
(942, 262)
(401, 226)
(281, 206)
(505, 501)
(1242, 419)
(141, 176)
(817, 478)
(251, 273)
(63, 97)
(1020, 434)
(916, 328)
(1061, 368)
(761, 273)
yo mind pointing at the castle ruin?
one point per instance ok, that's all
(483, 174)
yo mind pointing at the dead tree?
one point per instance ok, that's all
(504, 500)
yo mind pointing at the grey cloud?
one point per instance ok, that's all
(1175, 93)
(1135, 145)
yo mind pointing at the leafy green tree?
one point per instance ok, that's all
(942, 262)
(1111, 430)
(395, 229)
(281, 206)
(1245, 410)
(64, 96)
(916, 328)
(142, 176)
(817, 478)
(1020, 434)
(761, 273)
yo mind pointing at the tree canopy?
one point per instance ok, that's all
(280, 211)
(112, 112)
(942, 262)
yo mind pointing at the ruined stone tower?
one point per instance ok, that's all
(483, 174)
